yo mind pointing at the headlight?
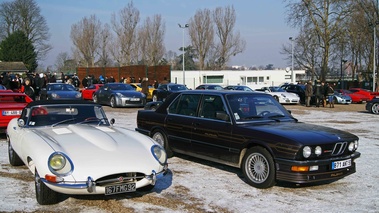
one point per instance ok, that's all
(159, 154)
(79, 95)
(353, 146)
(54, 95)
(307, 151)
(59, 164)
(120, 95)
(318, 150)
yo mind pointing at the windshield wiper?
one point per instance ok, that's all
(93, 119)
(64, 121)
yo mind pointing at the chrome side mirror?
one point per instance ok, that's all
(21, 122)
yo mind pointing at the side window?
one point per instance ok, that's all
(185, 105)
(211, 105)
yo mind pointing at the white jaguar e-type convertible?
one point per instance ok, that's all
(72, 148)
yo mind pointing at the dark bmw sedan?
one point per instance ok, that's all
(251, 131)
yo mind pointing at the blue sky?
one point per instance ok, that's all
(260, 22)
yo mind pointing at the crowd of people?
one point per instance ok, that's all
(323, 93)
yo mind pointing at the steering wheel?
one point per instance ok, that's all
(263, 113)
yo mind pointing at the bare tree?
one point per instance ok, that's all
(85, 36)
(105, 36)
(25, 15)
(201, 31)
(64, 62)
(231, 42)
(125, 27)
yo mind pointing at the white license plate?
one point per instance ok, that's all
(122, 188)
(134, 99)
(341, 164)
(11, 112)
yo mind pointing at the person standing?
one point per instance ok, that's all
(330, 92)
(318, 92)
(145, 86)
(308, 93)
(28, 89)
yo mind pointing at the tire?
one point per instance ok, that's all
(258, 168)
(113, 102)
(14, 159)
(146, 188)
(94, 98)
(44, 195)
(375, 108)
(155, 97)
(161, 138)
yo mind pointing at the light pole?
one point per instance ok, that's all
(291, 39)
(342, 75)
(184, 72)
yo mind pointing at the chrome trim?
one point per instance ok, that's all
(339, 148)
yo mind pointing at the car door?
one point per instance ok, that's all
(211, 135)
(179, 122)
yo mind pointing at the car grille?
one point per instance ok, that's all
(335, 149)
(120, 178)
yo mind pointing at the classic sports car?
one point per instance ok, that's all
(137, 87)
(340, 98)
(11, 105)
(72, 148)
(355, 97)
(251, 131)
(367, 93)
(164, 90)
(239, 87)
(60, 91)
(373, 106)
(87, 92)
(119, 95)
(281, 95)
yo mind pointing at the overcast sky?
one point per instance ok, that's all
(261, 23)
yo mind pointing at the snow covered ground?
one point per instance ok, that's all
(200, 186)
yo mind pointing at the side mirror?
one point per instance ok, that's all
(112, 121)
(21, 122)
(289, 111)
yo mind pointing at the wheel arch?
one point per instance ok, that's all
(251, 145)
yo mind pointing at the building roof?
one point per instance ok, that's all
(17, 66)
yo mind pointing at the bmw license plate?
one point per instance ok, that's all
(341, 164)
(11, 112)
(122, 188)
(134, 99)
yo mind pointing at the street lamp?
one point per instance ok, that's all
(342, 76)
(291, 39)
(184, 72)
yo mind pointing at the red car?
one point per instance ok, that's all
(369, 94)
(355, 97)
(11, 106)
(87, 92)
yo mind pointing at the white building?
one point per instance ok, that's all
(252, 78)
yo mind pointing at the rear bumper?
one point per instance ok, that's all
(324, 173)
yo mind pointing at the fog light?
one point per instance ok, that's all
(300, 168)
(313, 168)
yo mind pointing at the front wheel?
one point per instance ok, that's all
(161, 138)
(44, 195)
(258, 168)
(375, 108)
(113, 102)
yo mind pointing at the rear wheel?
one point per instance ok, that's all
(161, 138)
(44, 194)
(14, 159)
(258, 168)
(375, 108)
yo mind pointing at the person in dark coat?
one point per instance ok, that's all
(28, 89)
(318, 92)
(145, 86)
(308, 93)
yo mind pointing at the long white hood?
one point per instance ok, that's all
(97, 151)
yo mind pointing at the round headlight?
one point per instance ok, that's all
(54, 95)
(78, 95)
(318, 150)
(159, 154)
(356, 144)
(307, 151)
(57, 162)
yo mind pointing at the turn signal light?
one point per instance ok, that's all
(51, 178)
(300, 168)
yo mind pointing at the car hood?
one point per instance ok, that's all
(129, 93)
(298, 132)
(101, 150)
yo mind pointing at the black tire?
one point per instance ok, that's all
(375, 108)
(258, 168)
(44, 195)
(146, 188)
(14, 159)
(113, 102)
(161, 138)
(94, 98)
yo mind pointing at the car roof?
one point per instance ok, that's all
(54, 102)
(222, 92)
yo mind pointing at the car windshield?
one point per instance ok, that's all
(53, 115)
(177, 87)
(61, 87)
(277, 89)
(247, 107)
(120, 87)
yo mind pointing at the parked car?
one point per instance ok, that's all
(239, 87)
(72, 148)
(119, 95)
(137, 87)
(210, 86)
(11, 105)
(87, 93)
(298, 89)
(373, 106)
(281, 95)
(251, 131)
(165, 90)
(60, 91)
(367, 93)
(340, 98)
(355, 97)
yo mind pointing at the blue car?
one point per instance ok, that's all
(60, 91)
